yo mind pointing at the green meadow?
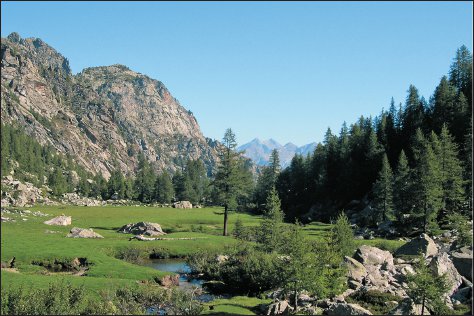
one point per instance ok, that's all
(32, 241)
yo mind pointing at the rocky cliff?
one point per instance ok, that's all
(104, 116)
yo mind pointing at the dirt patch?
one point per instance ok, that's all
(77, 266)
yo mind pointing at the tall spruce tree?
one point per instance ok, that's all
(383, 191)
(451, 171)
(402, 191)
(427, 189)
(267, 179)
(460, 73)
(164, 191)
(270, 232)
(228, 181)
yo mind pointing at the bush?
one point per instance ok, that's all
(132, 255)
(373, 300)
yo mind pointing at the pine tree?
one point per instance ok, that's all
(451, 171)
(228, 181)
(164, 191)
(341, 237)
(444, 107)
(383, 191)
(270, 232)
(460, 74)
(144, 181)
(425, 287)
(267, 179)
(402, 191)
(427, 190)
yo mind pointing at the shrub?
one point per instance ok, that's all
(374, 300)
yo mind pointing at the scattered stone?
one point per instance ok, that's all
(60, 221)
(463, 295)
(347, 309)
(142, 228)
(182, 204)
(222, 258)
(372, 255)
(170, 280)
(77, 232)
(423, 244)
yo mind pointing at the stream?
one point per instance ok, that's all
(185, 282)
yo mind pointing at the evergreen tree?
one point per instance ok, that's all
(427, 190)
(144, 181)
(228, 181)
(451, 171)
(58, 183)
(460, 74)
(402, 191)
(444, 107)
(341, 237)
(270, 232)
(413, 115)
(383, 191)
(116, 184)
(164, 191)
(425, 287)
(267, 179)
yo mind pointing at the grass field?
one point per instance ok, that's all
(28, 241)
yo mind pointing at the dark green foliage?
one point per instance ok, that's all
(62, 298)
(424, 287)
(232, 179)
(116, 185)
(144, 181)
(164, 191)
(460, 74)
(267, 180)
(461, 224)
(383, 192)
(374, 300)
(192, 184)
(270, 236)
(341, 237)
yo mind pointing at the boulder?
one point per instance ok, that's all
(373, 256)
(222, 258)
(182, 204)
(440, 265)
(142, 228)
(408, 307)
(77, 232)
(355, 270)
(62, 220)
(347, 309)
(463, 295)
(462, 260)
(278, 308)
(170, 280)
(423, 244)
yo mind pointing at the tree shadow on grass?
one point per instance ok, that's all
(218, 213)
(105, 228)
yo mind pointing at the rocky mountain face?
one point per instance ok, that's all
(104, 116)
(259, 151)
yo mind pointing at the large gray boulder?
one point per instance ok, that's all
(423, 244)
(373, 256)
(355, 270)
(77, 232)
(62, 220)
(142, 228)
(278, 308)
(462, 260)
(347, 309)
(182, 204)
(440, 265)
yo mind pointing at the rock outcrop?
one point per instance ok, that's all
(347, 309)
(61, 220)
(462, 260)
(100, 115)
(440, 265)
(372, 255)
(182, 204)
(142, 228)
(77, 232)
(423, 244)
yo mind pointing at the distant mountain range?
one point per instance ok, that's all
(259, 151)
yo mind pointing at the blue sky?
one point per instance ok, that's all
(286, 70)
